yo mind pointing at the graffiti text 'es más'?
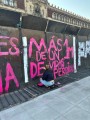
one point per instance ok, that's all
(8, 48)
(10, 76)
(12, 49)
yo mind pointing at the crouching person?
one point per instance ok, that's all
(47, 78)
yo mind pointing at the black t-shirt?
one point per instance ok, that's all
(48, 75)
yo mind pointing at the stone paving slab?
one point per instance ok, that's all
(65, 103)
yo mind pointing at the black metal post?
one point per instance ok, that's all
(21, 48)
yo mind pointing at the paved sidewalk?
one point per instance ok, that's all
(71, 102)
(31, 90)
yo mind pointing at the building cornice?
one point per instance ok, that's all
(66, 12)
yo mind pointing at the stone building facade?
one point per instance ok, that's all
(36, 7)
(13, 5)
(64, 16)
(41, 8)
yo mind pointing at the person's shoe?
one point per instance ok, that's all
(40, 84)
(50, 87)
(58, 84)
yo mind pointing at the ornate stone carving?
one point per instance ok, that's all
(37, 10)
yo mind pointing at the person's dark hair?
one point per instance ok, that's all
(47, 66)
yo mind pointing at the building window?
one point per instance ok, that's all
(65, 19)
(78, 23)
(59, 17)
(15, 4)
(6, 2)
(56, 16)
(87, 25)
(84, 25)
(53, 15)
(30, 8)
(11, 3)
(74, 21)
(43, 12)
(0, 1)
(69, 20)
(62, 18)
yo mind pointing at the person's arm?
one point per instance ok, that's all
(44, 77)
